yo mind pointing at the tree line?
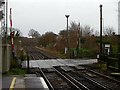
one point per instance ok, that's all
(85, 39)
(86, 36)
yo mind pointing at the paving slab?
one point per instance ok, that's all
(43, 64)
(37, 83)
(19, 84)
(54, 62)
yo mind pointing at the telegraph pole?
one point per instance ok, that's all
(100, 33)
(119, 27)
(6, 21)
(119, 36)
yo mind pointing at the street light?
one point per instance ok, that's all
(67, 16)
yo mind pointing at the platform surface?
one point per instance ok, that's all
(35, 83)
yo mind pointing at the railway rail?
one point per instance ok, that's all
(105, 80)
(75, 77)
(55, 80)
(37, 54)
(79, 78)
(81, 74)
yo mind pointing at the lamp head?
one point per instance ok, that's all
(100, 5)
(67, 16)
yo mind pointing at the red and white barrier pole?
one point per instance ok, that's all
(11, 33)
(12, 42)
(10, 19)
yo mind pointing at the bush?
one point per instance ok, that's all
(82, 53)
(85, 52)
(14, 64)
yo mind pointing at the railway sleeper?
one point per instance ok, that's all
(50, 85)
(79, 79)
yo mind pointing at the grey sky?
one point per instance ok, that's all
(49, 15)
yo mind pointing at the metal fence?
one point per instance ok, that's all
(113, 63)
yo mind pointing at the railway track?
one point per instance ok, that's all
(75, 77)
(103, 79)
(65, 78)
(55, 80)
(37, 54)
(88, 83)
(91, 79)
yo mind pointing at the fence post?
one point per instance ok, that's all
(107, 61)
(118, 62)
(28, 68)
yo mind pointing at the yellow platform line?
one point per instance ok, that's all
(12, 83)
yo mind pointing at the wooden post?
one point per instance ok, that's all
(28, 68)
(100, 33)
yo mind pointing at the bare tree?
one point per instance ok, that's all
(33, 33)
(73, 26)
(108, 31)
(96, 33)
(87, 30)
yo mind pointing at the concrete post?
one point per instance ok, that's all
(5, 57)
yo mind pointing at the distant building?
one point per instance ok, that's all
(119, 17)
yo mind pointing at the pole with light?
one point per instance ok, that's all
(67, 16)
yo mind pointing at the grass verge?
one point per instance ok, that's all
(16, 71)
(52, 52)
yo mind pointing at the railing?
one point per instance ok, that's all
(113, 63)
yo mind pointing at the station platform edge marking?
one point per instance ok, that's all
(12, 83)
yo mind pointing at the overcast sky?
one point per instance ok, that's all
(49, 15)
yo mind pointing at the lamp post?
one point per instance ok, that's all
(100, 33)
(67, 16)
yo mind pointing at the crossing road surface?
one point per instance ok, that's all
(56, 62)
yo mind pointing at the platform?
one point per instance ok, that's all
(30, 82)
(37, 83)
